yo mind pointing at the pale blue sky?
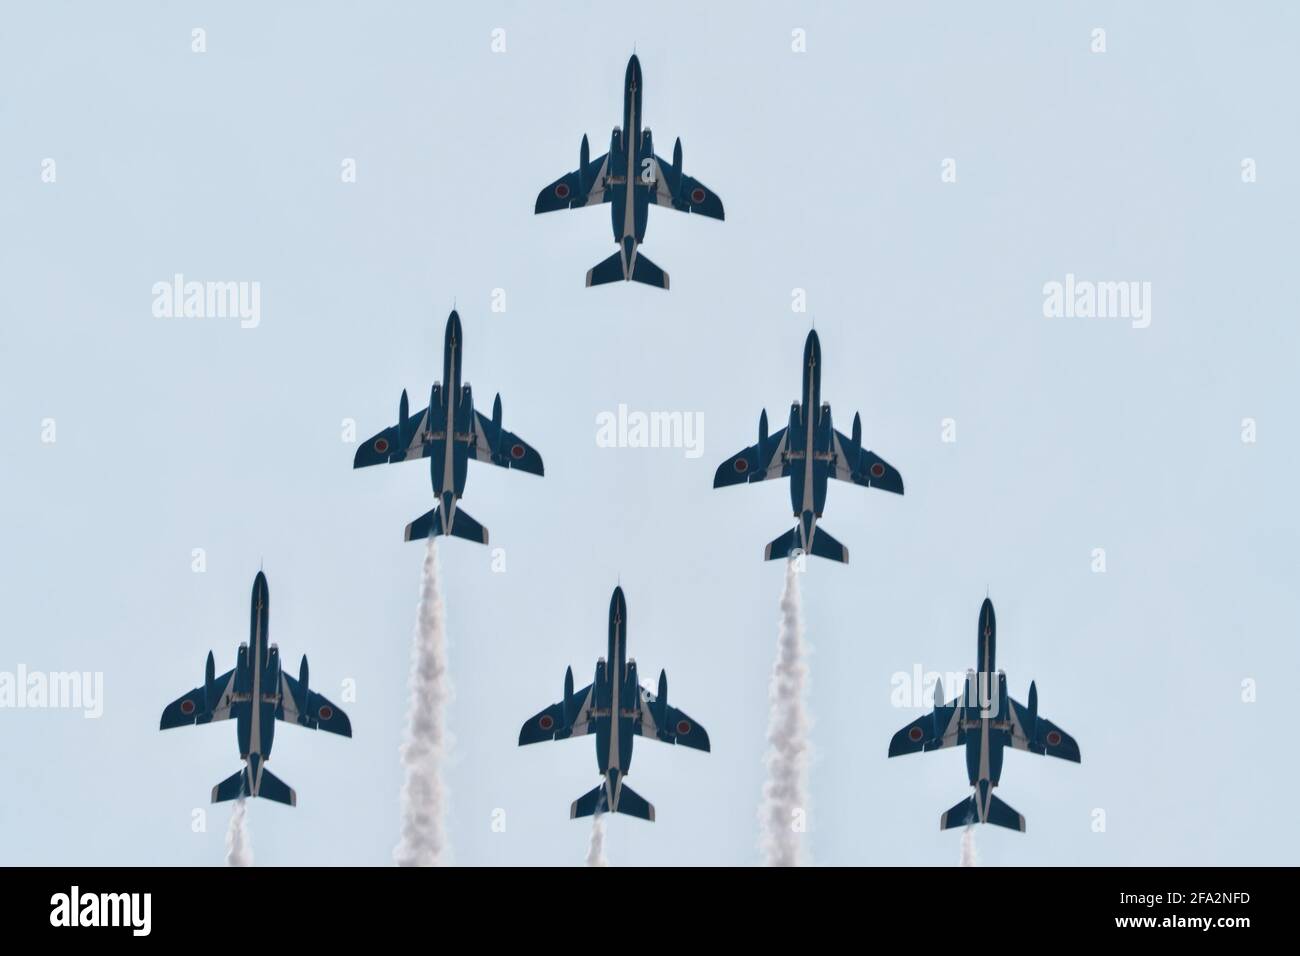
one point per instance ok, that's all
(1072, 434)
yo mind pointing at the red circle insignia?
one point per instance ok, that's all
(381, 445)
(187, 706)
(697, 195)
(517, 451)
(683, 728)
(742, 466)
(562, 190)
(915, 734)
(546, 722)
(1053, 738)
(877, 470)
(326, 712)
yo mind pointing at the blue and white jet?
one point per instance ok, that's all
(592, 710)
(256, 693)
(629, 177)
(450, 432)
(809, 451)
(987, 723)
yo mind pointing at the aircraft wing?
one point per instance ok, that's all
(550, 724)
(936, 730)
(675, 189)
(677, 727)
(497, 446)
(568, 191)
(312, 710)
(751, 465)
(869, 470)
(190, 708)
(1040, 736)
(386, 447)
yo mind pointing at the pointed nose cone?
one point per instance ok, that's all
(618, 606)
(632, 80)
(812, 348)
(453, 328)
(260, 590)
(988, 620)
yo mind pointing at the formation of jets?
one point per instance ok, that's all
(615, 708)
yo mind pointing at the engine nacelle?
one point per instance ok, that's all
(630, 684)
(998, 707)
(496, 413)
(762, 433)
(857, 435)
(1032, 730)
(272, 683)
(302, 681)
(661, 700)
(677, 155)
(616, 151)
(584, 159)
(600, 672)
(466, 396)
(435, 397)
(938, 722)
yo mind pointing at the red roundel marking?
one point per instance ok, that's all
(187, 707)
(683, 728)
(562, 190)
(697, 195)
(1053, 738)
(517, 451)
(742, 465)
(546, 722)
(326, 713)
(915, 734)
(381, 445)
(877, 470)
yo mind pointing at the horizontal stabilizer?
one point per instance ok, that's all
(232, 788)
(629, 802)
(430, 524)
(611, 270)
(782, 547)
(643, 270)
(824, 546)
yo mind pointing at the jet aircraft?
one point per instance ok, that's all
(450, 432)
(986, 721)
(629, 177)
(614, 707)
(256, 693)
(809, 451)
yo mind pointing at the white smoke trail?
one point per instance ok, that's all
(424, 798)
(596, 848)
(968, 857)
(783, 813)
(239, 841)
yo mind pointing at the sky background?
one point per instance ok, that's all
(1072, 434)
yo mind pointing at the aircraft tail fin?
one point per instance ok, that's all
(782, 546)
(1003, 816)
(643, 270)
(596, 801)
(272, 788)
(232, 788)
(611, 270)
(965, 813)
(824, 546)
(431, 524)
